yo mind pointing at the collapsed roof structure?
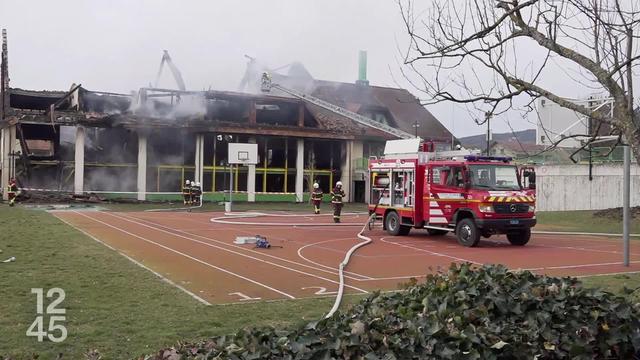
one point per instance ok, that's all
(146, 143)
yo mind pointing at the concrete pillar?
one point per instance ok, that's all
(78, 179)
(8, 140)
(300, 171)
(3, 174)
(251, 178)
(198, 176)
(142, 167)
(346, 170)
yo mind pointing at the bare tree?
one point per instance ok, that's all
(479, 53)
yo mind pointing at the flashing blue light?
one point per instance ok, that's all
(488, 158)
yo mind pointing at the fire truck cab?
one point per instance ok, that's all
(473, 196)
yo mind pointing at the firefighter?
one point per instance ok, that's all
(336, 200)
(316, 198)
(197, 193)
(12, 191)
(265, 82)
(194, 193)
(186, 192)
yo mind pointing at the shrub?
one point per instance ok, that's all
(465, 313)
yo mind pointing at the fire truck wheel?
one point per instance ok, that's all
(519, 238)
(393, 225)
(467, 233)
(436, 232)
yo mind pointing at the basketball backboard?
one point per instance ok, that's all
(243, 154)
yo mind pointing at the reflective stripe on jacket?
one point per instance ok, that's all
(337, 195)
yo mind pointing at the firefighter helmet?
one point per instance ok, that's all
(339, 184)
(315, 185)
(187, 182)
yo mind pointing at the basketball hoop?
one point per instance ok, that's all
(243, 154)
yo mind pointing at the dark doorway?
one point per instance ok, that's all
(358, 191)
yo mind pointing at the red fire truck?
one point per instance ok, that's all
(413, 186)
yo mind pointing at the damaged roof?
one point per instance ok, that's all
(398, 106)
(404, 108)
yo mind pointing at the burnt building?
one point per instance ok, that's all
(146, 143)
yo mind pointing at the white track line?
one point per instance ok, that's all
(198, 298)
(190, 257)
(429, 252)
(586, 249)
(222, 219)
(330, 271)
(329, 249)
(577, 266)
(228, 222)
(579, 233)
(570, 247)
(155, 227)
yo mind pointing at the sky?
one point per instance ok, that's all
(117, 45)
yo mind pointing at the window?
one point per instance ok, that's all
(447, 176)
(435, 173)
(494, 177)
(456, 179)
(379, 116)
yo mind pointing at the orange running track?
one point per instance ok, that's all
(200, 257)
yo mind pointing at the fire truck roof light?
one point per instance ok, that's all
(488, 158)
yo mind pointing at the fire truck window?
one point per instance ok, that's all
(440, 175)
(456, 179)
(494, 177)
(435, 173)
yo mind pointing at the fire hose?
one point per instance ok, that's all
(366, 240)
(347, 257)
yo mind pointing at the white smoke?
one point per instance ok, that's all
(183, 106)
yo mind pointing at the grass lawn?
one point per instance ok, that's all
(123, 311)
(582, 221)
(616, 284)
(111, 304)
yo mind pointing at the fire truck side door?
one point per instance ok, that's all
(446, 188)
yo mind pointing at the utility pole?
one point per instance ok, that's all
(626, 180)
(626, 194)
(488, 116)
(416, 126)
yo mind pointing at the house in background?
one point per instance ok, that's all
(556, 123)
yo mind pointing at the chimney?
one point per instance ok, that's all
(362, 69)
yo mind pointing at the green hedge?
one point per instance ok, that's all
(465, 313)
